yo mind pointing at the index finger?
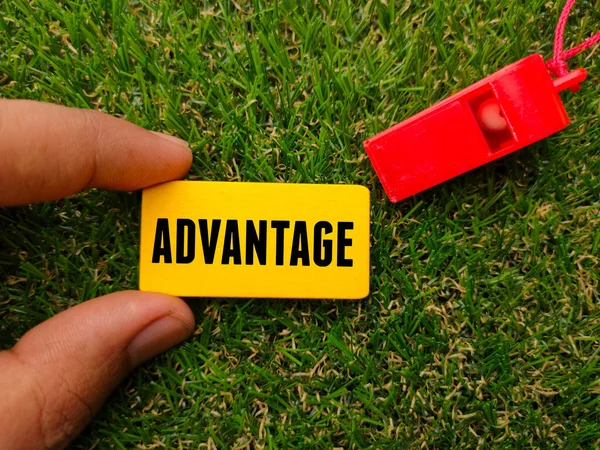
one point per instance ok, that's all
(49, 151)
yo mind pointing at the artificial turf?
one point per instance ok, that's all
(483, 324)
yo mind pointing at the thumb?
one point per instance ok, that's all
(58, 375)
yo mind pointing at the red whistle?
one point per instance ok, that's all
(502, 113)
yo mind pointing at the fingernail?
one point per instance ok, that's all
(157, 337)
(171, 139)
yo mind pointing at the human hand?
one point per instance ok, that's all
(57, 376)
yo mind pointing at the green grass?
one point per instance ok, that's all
(483, 325)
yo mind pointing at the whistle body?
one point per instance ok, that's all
(449, 138)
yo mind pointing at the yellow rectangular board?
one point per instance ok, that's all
(269, 240)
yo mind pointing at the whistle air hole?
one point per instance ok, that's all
(490, 116)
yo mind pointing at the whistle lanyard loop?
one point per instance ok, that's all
(558, 64)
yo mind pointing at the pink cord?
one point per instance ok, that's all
(558, 64)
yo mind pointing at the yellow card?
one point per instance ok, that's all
(271, 240)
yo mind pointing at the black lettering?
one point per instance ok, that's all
(280, 226)
(209, 242)
(343, 242)
(300, 245)
(256, 242)
(185, 226)
(231, 244)
(162, 242)
(323, 259)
